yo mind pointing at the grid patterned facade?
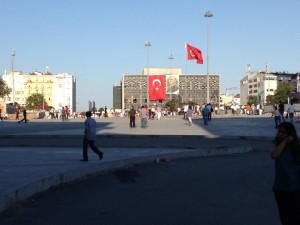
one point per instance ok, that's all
(191, 88)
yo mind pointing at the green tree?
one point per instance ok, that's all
(172, 105)
(252, 100)
(4, 89)
(35, 101)
(271, 100)
(282, 91)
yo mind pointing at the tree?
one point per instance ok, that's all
(34, 101)
(252, 100)
(4, 89)
(172, 105)
(271, 100)
(282, 92)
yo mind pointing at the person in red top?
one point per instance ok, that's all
(17, 113)
(1, 115)
(67, 112)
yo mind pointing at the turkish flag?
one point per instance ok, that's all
(156, 87)
(194, 53)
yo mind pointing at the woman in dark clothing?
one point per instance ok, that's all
(286, 153)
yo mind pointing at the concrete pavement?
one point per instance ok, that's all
(29, 170)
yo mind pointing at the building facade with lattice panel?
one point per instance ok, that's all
(192, 88)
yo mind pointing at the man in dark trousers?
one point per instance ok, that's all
(24, 116)
(132, 113)
(90, 137)
(281, 111)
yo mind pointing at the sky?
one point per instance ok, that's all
(98, 41)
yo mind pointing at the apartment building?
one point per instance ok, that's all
(58, 89)
(263, 83)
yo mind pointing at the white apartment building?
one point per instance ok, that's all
(264, 83)
(58, 89)
(65, 91)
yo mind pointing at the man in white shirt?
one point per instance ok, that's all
(90, 137)
(291, 111)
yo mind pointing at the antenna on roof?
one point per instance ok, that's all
(267, 68)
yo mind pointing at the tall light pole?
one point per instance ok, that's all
(171, 58)
(148, 45)
(13, 54)
(208, 14)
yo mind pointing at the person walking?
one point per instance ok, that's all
(1, 118)
(132, 113)
(205, 112)
(209, 111)
(17, 113)
(276, 115)
(286, 187)
(89, 138)
(24, 116)
(281, 111)
(291, 111)
(190, 115)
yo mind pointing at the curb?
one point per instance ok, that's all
(11, 197)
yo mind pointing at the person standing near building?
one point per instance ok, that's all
(63, 114)
(291, 112)
(158, 109)
(286, 187)
(67, 112)
(132, 114)
(144, 116)
(105, 112)
(89, 138)
(24, 116)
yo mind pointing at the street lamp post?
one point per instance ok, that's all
(171, 58)
(148, 45)
(43, 100)
(13, 54)
(208, 14)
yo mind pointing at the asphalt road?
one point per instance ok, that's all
(219, 190)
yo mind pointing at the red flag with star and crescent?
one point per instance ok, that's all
(156, 87)
(194, 53)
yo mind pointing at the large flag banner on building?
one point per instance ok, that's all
(172, 84)
(194, 53)
(156, 86)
